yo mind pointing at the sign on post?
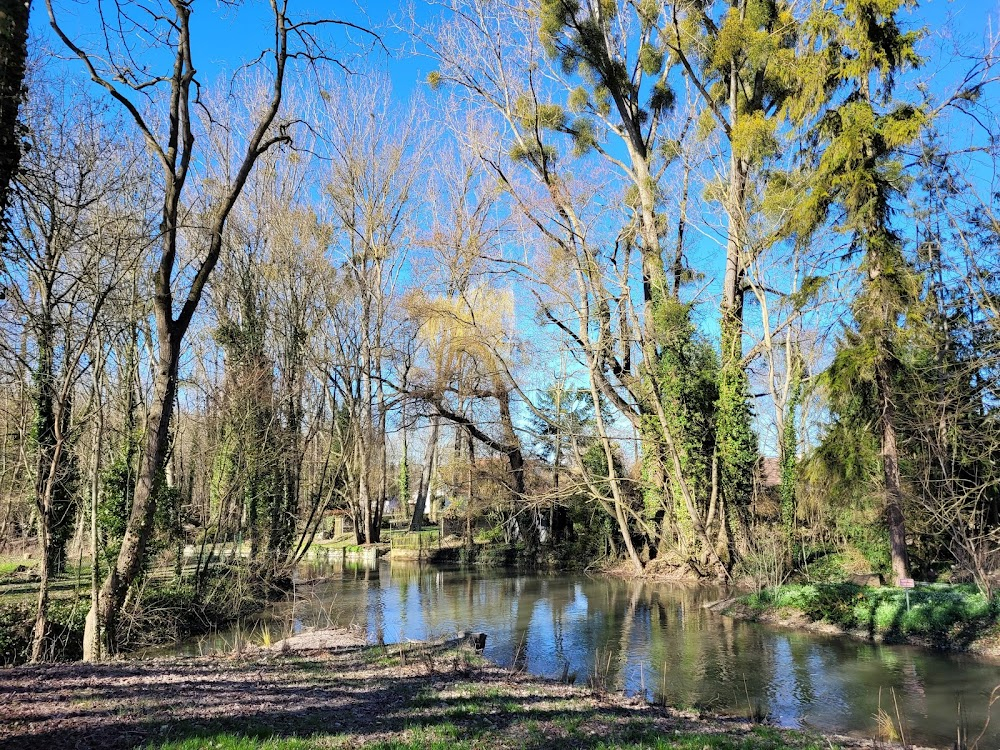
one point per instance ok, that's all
(907, 583)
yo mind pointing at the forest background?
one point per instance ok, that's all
(704, 288)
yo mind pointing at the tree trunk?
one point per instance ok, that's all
(894, 516)
(423, 488)
(527, 524)
(736, 442)
(38, 637)
(13, 55)
(140, 522)
(91, 629)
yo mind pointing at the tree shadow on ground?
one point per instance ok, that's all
(437, 697)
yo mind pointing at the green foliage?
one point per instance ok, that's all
(753, 137)
(533, 114)
(65, 627)
(945, 615)
(116, 499)
(736, 442)
(578, 99)
(16, 622)
(687, 380)
(650, 59)
(534, 153)
(859, 141)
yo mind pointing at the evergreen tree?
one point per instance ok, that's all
(860, 138)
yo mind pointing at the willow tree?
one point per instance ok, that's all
(465, 370)
(583, 108)
(860, 139)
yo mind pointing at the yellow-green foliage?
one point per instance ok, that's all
(533, 114)
(753, 137)
(578, 99)
(650, 59)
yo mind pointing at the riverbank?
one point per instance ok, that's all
(166, 610)
(939, 616)
(329, 690)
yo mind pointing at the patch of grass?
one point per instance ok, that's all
(424, 699)
(570, 722)
(947, 615)
(463, 709)
(443, 736)
(227, 741)
(9, 566)
(758, 739)
(380, 656)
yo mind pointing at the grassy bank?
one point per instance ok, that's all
(349, 696)
(165, 611)
(941, 616)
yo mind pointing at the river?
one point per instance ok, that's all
(652, 637)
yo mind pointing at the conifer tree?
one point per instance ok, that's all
(859, 139)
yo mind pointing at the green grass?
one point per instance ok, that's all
(443, 736)
(9, 565)
(947, 615)
(758, 739)
(447, 736)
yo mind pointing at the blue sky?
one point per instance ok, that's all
(225, 38)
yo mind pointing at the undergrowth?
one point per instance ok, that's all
(946, 615)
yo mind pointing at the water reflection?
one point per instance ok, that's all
(656, 637)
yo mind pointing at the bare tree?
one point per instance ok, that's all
(76, 232)
(163, 107)
(375, 160)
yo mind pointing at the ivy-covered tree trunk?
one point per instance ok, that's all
(13, 56)
(736, 442)
(55, 497)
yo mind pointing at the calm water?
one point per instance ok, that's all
(657, 638)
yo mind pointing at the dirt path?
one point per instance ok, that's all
(334, 692)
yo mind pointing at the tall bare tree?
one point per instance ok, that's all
(163, 108)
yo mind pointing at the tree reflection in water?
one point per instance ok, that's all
(657, 635)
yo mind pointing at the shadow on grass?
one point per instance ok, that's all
(300, 702)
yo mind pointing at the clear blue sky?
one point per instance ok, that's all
(225, 38)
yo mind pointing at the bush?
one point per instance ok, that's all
(15, 634)
(66, 621)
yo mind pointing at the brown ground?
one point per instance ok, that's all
(329, 685)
